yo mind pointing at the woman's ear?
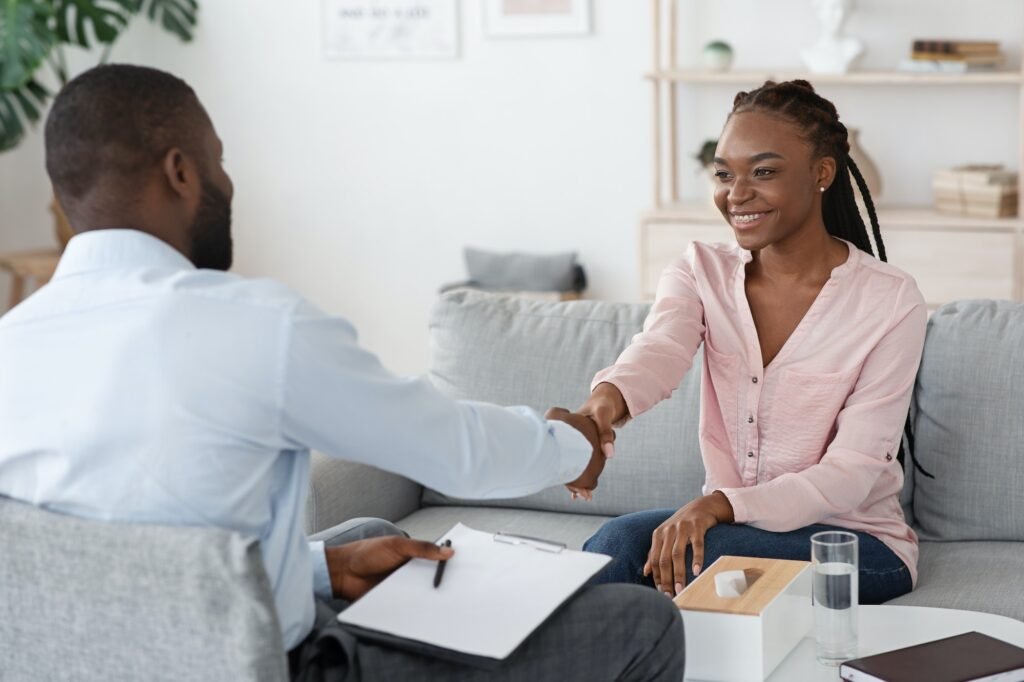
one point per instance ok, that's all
(826, 171)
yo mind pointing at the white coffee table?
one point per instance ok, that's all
(883, 628)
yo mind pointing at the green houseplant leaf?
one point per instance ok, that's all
(176, 16)
(25, 40)
(24, 103)
(34, 32)
(105, 18)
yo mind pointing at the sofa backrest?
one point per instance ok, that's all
(514, 351)
(968, 409)
(89, 600)
(968, 419)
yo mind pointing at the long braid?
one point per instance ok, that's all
(870, 205)
(797, 102)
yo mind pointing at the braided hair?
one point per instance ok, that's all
(797, 102)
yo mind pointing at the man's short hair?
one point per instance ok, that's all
(115, 122)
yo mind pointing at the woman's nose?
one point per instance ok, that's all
(740, 192)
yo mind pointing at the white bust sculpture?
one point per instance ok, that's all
(834, 52)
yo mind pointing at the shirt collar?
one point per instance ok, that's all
(838, 271)
(118, 249)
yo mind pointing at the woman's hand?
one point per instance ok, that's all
(606, 407)
(666, 562)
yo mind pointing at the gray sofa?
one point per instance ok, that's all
(968, 416)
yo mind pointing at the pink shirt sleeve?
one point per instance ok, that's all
(869, 429)
(656, 361)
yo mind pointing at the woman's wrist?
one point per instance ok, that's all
(610, 395)
(723, 510)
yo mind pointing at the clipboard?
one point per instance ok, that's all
(498, 588)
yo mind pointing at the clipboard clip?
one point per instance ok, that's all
(536, 543)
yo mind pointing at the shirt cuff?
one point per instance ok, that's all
(321, 576)
(574, 448)
(740, 514)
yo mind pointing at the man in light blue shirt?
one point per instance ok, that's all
(146, 384)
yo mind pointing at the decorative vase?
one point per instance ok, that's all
(867, 167)
(717, 56)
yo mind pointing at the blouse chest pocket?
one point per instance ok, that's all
(802, 416)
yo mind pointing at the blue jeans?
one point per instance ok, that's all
(627, 539)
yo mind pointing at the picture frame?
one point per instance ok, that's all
(355, 30)
(536, 18)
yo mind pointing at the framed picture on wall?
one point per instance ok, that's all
(390, 29)
(524, 18)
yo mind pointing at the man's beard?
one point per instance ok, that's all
(211, 230)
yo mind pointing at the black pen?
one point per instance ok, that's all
(440, 566)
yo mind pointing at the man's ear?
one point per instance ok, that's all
(826, 172)
(182, 175)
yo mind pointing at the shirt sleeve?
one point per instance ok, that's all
(657, 359)
(321, 576)
(338, 399)
(869, 430)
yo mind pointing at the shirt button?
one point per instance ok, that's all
(750, 454)
(754, 379)
(750, 420)
(888, 456)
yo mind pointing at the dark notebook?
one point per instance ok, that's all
(971, 657)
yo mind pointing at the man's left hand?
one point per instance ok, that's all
(356, 567)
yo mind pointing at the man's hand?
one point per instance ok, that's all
(584, 485)
(356, 567)
(666, 562)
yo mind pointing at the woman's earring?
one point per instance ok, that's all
(822, 189)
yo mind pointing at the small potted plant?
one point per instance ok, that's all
(705, 156)
(717, 56)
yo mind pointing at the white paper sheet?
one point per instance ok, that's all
(492, 596)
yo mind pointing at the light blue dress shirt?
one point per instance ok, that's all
(135, 387)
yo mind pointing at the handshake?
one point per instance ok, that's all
(594, 420)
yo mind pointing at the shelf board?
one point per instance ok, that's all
(856, 78)
(889, 217)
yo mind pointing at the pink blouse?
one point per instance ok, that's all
(812, 437)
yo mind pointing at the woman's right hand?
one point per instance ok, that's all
(606, 407)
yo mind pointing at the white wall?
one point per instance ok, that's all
(359, 183)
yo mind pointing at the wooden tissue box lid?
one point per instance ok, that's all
(770, 577)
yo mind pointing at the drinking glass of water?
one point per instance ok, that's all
(834, 559)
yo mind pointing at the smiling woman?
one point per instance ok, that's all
(811, 350)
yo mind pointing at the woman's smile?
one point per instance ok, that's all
(746, 220)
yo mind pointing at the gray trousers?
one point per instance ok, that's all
(606, 632)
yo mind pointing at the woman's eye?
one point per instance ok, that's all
(722, 175)
(762, 172)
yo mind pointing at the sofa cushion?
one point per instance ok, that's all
(89, 600)
(969, 424)
(975, 576)
(513, 351)
(431, 523)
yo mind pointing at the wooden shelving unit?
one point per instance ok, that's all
(857, 78)
(993, 248)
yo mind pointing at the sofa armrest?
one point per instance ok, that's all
(339, 491)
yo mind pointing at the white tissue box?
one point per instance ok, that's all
(745, 638)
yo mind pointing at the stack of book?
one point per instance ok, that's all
(980, 191)
(954, 56)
